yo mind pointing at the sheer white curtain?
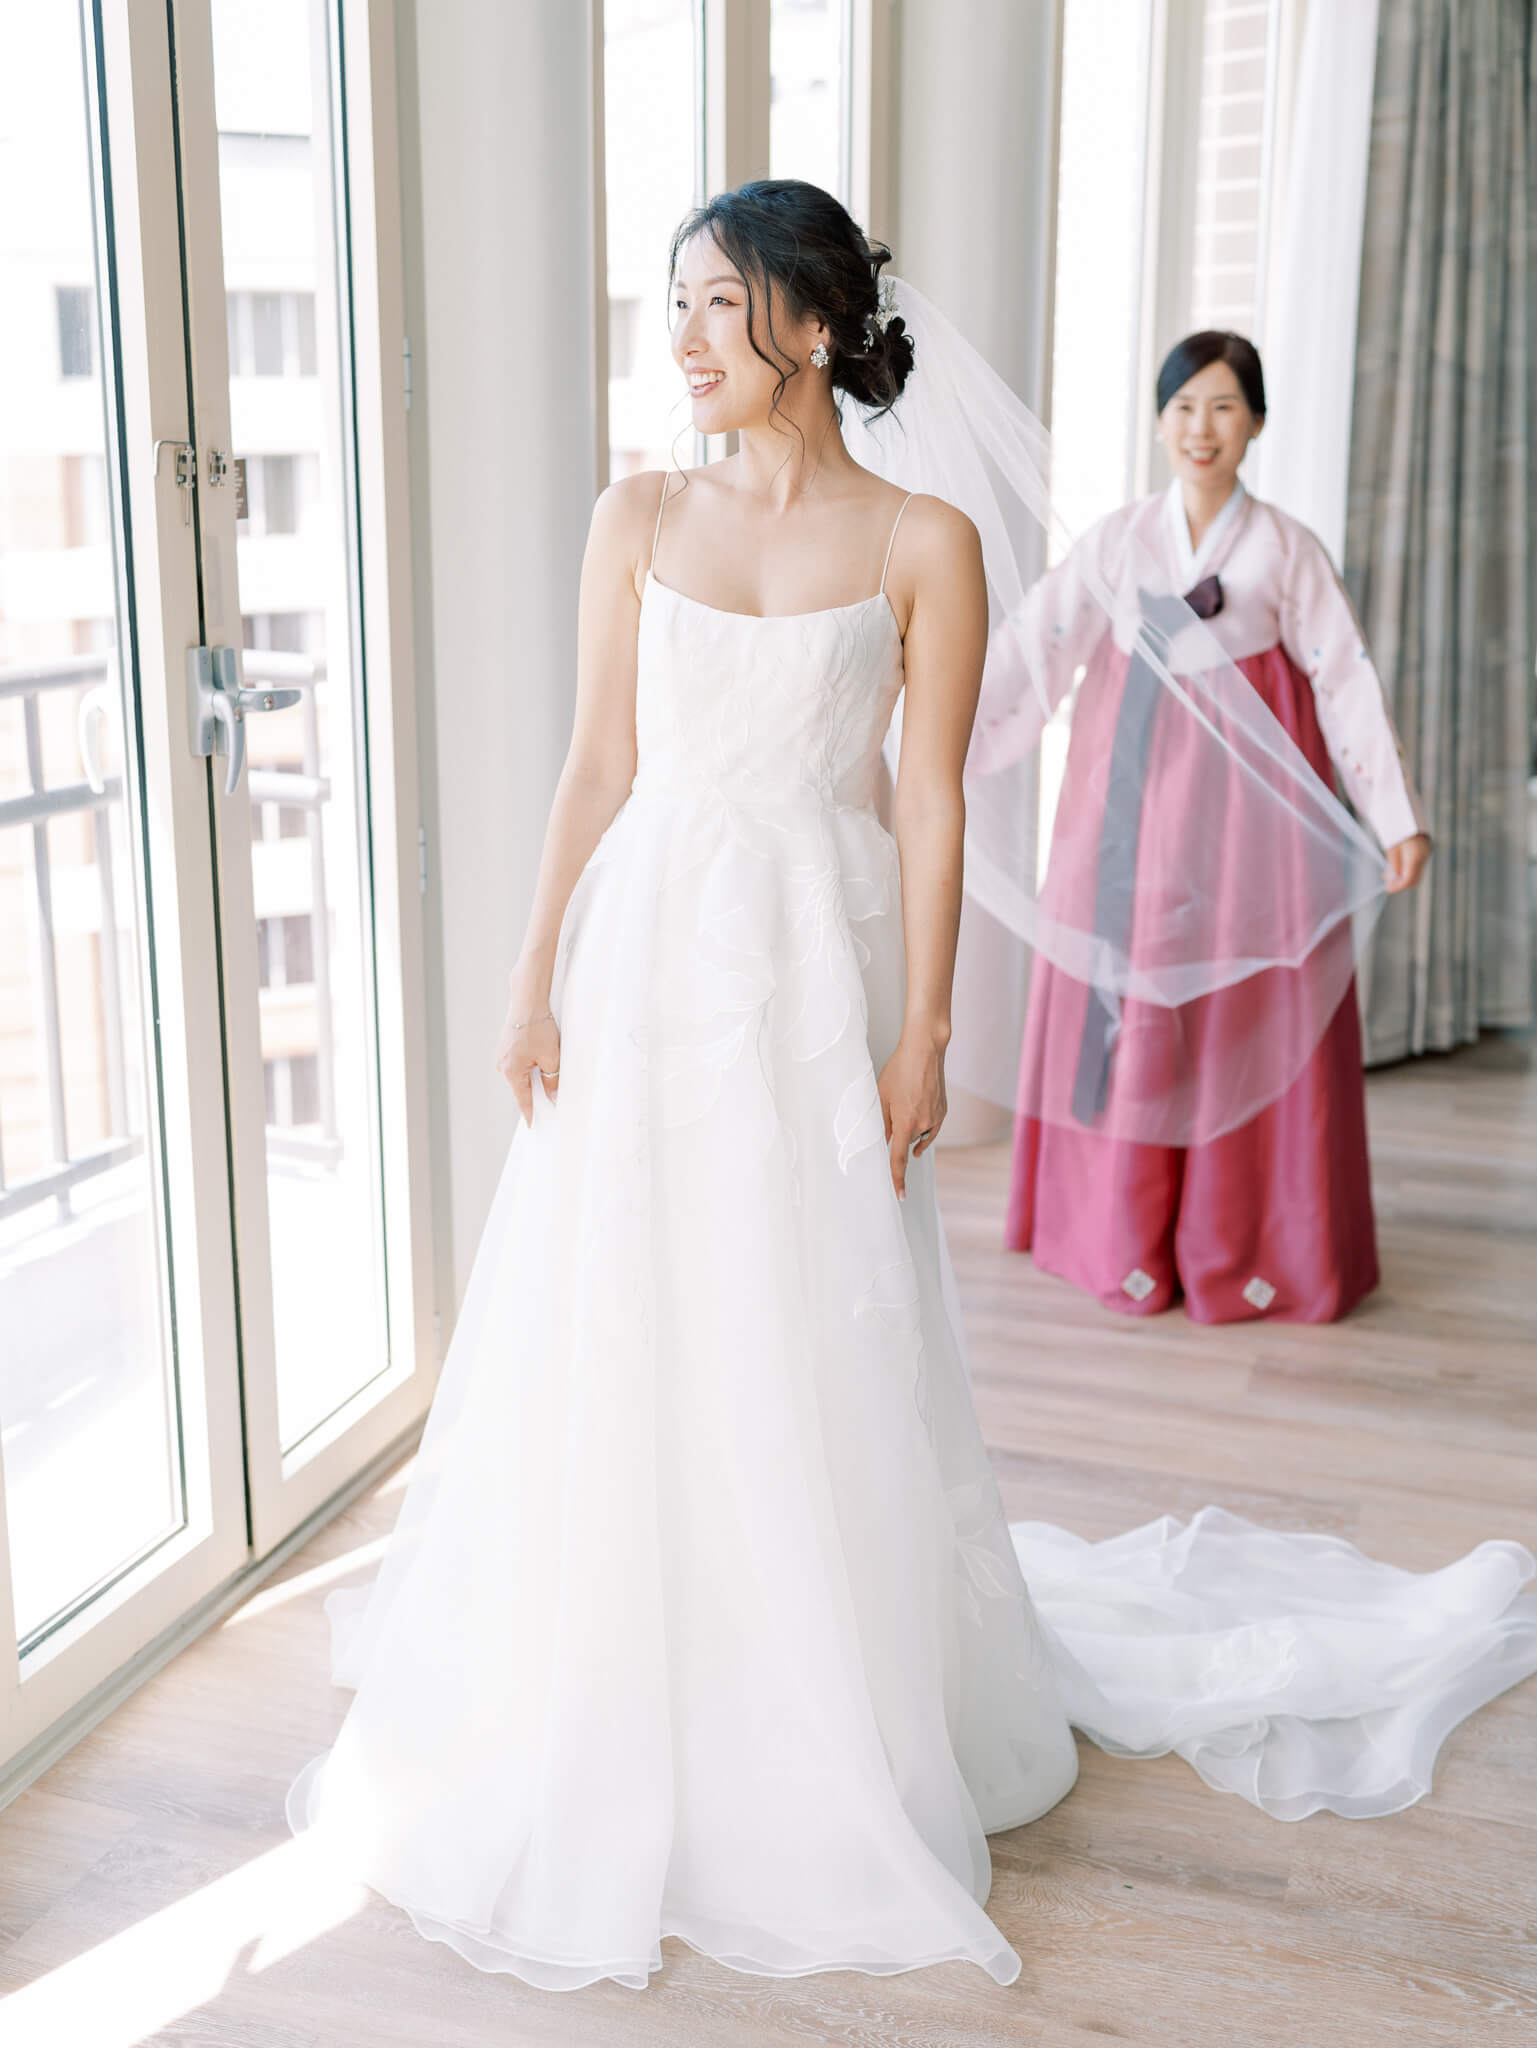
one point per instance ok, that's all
(1302, 463)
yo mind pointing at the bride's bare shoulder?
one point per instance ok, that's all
(939, 538)
(624, 520)
(629, 500)
(630, 504)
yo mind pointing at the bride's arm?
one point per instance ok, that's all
(599, 769)
(944, 647)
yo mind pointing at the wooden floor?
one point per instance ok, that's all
(149, 1891)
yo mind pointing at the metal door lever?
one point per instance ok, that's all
(217, 704)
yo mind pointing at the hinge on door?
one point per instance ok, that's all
(421, 860)
(186, 472)
(405, 367)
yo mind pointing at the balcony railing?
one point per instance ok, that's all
(34, 809)
(308, 791)
(305, 790)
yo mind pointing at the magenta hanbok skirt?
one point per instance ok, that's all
(1271, 1219)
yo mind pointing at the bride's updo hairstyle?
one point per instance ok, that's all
(783, 232)
(1197, 352)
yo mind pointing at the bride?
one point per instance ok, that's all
(702, 1617)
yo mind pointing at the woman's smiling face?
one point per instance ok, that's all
(730, 384)
(1207, 426)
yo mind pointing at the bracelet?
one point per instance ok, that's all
(538, 1018)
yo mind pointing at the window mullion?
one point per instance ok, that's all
(870, 116)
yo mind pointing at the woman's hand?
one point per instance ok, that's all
(1406, 862)
(529, 1045)
(912, 1086)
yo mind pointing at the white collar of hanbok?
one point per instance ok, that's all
(1191, 564)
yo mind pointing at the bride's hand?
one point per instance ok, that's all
(912, 1086)
(529, 1044)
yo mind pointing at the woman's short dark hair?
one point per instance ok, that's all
(1196, 352)
(784, 232)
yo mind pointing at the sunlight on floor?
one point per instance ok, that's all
(129, 1988)
(307, 1582)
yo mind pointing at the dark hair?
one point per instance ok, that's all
(784, 232)
(1197, 352)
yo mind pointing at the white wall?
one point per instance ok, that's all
(974, 145)
(497, 166)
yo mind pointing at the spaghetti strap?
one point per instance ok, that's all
(889, 545)
(656, 532)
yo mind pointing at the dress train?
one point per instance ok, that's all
(701, 1616)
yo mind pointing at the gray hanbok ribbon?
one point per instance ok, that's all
(1121, 826)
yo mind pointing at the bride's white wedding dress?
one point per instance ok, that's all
(702, 1617)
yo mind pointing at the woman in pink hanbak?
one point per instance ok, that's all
(1275, 1217)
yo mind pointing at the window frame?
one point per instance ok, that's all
(733, 41)
(1170, 176)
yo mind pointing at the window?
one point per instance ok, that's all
(1237, 74)
(271, 334)
(652, 123)
(91, 1421)
(266, 334)
(303, 304)
(699, 94)
(87, 515)
(292, 1088)
(281, 490)
(285, 951)
(282, 632)
(808, 93)
(76, 304)
(623, 337)
(1203, 150)
(279, 499)
(157, 1430)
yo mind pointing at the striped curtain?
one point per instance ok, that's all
(1441, 522)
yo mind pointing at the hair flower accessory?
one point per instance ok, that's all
(885, 309)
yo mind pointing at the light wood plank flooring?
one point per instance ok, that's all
(148, 1889)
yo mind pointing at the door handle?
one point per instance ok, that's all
(97, 703)
(217, 704)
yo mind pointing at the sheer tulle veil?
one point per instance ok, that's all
(1287, 1667)
(1269, 875)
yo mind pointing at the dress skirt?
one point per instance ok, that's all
(702, 1617)
(1273, 1218)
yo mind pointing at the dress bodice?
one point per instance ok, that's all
(764, 710)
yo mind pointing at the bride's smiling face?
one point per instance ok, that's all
(730, 383)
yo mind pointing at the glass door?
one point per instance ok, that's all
(214, 1248)
(315, 843)
(120, 1428)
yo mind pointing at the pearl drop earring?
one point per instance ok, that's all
(819, 356)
